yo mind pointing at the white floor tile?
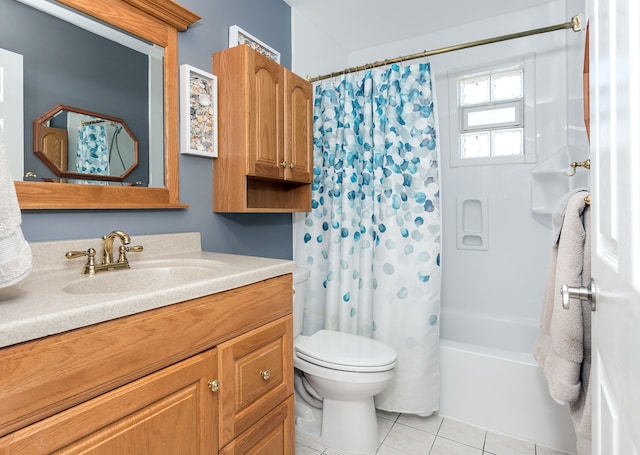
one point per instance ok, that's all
(429, 424)
(384, 426)
(444, 446)
(463, 433)
(386, 450)
(504, 445)
(337, 452)
(304, 450)
(547, 451)
(409, 440)
(393, 416)
(310, 444)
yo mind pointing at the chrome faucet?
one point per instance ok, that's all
(108, 263)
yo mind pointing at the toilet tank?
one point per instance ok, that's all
(300, 283)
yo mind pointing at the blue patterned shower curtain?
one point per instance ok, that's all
(92, 156)
(372, 239)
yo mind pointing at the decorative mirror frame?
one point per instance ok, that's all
(38, 146)
(156, 21)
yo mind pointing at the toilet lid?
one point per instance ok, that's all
(345, 351)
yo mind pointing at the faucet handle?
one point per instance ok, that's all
(90, 266)
(76, 254)
(123, 250)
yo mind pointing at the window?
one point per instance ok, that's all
(490, 122)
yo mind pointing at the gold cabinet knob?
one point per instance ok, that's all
(214, 385)
(284, 163)
(266, 374)
(291, 165)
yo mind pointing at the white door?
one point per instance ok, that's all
(615, 185)
(11, 110)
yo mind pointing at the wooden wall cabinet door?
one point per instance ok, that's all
(265, 119)
(298, 132)
(168, 412)
(265, 162)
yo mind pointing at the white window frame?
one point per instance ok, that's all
(525, 109)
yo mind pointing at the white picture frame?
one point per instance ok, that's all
(239, 36)
(198, 112)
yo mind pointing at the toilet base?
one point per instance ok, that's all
(349, 427)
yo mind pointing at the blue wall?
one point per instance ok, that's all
(266, 235)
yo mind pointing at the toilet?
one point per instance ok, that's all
(336, 377)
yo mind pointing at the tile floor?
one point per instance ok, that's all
(412, 435)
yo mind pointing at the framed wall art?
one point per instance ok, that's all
(239, 36)
(198, 112)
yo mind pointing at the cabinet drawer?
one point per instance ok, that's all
(273, 434)
(256, 375)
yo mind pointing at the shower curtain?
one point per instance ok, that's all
(372, 239)
(91, 154)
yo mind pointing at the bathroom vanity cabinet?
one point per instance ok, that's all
(208, 375)
(265, 129)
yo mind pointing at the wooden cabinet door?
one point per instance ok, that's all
(298, 130)
(265, 145)
(273, 434)
(256, 375)
(168, 412)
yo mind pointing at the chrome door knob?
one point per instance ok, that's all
(582, 293)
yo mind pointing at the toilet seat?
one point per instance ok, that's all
(345, 352)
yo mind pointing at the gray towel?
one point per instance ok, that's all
(563, 349)
(15, 253)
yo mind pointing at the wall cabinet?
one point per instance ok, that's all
(265, 163)
(210, 375)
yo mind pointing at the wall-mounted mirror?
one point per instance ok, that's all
(156, 23)
(85, 146)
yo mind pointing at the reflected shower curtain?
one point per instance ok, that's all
(372, 239)
(92, 156)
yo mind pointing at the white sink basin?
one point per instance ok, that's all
(144, 276)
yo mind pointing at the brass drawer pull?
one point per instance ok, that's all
(266, 374)
(214, 385)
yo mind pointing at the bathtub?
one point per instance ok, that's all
(490, 379)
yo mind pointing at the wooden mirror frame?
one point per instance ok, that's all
(156, 21)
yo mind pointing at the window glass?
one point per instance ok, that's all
(507, 86)
(490, 109)
(491, 116)
(474, 91)
(507, 142)
(476, 145)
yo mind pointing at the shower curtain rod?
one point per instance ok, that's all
(573, 24)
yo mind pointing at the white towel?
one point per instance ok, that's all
(15, 253)
(563, 349)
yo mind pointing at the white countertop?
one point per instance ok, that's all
(38, 306)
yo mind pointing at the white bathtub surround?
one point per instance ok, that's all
(15, 254)
(38, 306)
(491, 380)
(372, 241)
(563, 349)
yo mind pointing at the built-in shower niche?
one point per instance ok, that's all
(472, 223)
(549, 182)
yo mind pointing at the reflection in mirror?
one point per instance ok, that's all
(85, 146)
(94, 67)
